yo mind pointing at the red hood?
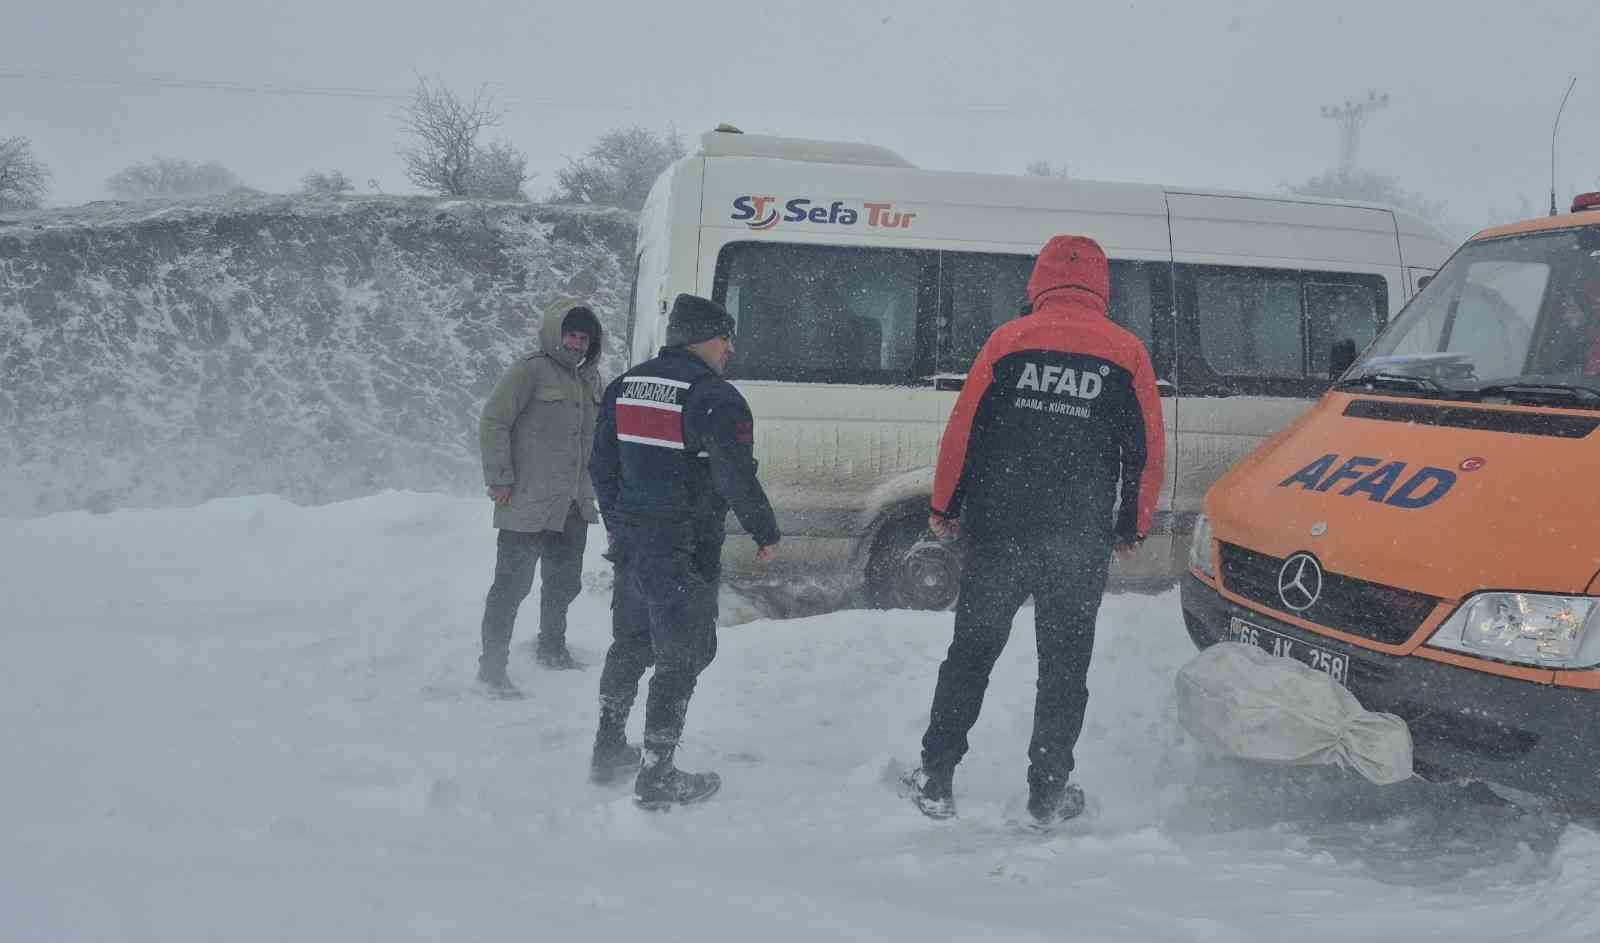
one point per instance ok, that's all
(1071, 268)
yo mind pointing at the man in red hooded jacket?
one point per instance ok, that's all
(1052, 459)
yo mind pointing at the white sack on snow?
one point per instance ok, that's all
(1242, 701)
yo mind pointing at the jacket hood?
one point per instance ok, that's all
(550, 335)
(1071, 268)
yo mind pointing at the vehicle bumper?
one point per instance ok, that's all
(1534, 737)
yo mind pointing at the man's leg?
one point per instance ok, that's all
(992, 591)
(561, 581)
(1066, 603)
(517, 555)
(683, 630)
(626, 660)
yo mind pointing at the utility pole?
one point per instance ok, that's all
(1350, 116)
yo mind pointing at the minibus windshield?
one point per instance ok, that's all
(1515, 318)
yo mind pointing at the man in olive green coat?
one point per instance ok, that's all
(535, 436)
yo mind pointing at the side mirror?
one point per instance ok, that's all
(1340, 356)
(1422, 281)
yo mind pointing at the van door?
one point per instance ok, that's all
(1264, 289)
(1254, 351)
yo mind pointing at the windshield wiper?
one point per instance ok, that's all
(1543, 392)
(1394, 382)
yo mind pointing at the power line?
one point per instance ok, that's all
(970, 110)
(151, 81)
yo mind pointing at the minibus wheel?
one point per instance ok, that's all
(910, 569)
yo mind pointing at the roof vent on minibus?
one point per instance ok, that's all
(1586, 201)
(729, 141)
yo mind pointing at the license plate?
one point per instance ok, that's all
(1333, 664)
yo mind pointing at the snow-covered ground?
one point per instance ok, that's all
(255, 721)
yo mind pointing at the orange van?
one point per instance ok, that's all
(1429, 533)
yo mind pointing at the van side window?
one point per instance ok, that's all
(980, 292)
(1138, 291)
(1271, 331)
(1251, 324)
(1348, 310)
(836, 314)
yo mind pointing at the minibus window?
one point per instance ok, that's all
(1133, 302)
(838, 314)
(1271, 331)
(983, 291)
(1342, 311)
(1251, 324)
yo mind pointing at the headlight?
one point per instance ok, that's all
(1526, 629)
(1200, 547)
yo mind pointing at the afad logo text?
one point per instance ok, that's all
(764, 212)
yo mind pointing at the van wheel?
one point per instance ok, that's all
(909, 569)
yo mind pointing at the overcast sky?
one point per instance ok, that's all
(1188, 93)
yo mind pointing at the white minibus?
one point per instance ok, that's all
(863, 287)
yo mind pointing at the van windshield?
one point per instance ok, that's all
(1516, 318)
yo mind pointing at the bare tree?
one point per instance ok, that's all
(619, 168)
(1042, 168)
(328, 184)
(168, 177)
(444, 131)
(1372, 187)
(22, 176)
(498, 172)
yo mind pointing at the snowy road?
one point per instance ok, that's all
(254, 721)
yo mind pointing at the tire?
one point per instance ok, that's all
(908, 569)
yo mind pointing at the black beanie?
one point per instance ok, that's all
(582, 319)
(694, 319)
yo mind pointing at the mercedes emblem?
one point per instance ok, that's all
(1300, 582)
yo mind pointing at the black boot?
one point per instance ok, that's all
(554, 655)
(612, 763)
(498, 685)
(931, 791)
(1053, 801)
(613, 756)
(551, 650)
(661, 785)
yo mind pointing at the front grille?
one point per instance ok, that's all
(1368, 610)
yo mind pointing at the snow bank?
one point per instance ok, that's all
(163, 354)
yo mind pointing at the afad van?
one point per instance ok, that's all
(1429, 533)
(863, 287)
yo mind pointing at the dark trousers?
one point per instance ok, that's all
(519, 552)
(1066, 575)
(664, 612)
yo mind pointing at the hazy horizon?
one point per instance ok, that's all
(1210, 95)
